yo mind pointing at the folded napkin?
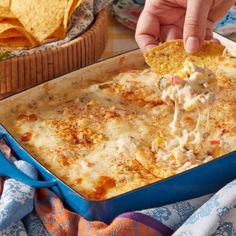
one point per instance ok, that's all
(26, 211)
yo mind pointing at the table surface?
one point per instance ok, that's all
(120, 39)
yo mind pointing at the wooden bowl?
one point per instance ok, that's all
(19, 73)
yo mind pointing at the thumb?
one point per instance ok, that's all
(195, 24)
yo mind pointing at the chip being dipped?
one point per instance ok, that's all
(168, 57)
(188, 83)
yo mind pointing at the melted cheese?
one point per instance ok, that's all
(193, 91)
(114, 137)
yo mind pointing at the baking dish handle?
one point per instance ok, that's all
(8, 169)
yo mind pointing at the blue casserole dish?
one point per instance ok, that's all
(198, 181)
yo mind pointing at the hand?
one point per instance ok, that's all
(192, 20)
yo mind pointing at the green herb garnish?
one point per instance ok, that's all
(4, 55)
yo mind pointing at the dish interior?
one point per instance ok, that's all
(108, 133)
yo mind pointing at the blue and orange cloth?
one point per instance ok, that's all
(27, 211)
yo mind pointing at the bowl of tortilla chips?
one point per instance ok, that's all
(26, 25)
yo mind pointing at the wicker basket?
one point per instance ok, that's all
(22, 72)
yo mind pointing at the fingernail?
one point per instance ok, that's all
(192, 44)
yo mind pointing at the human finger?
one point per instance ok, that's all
(170, 32)
(195, 24)
(147, 30)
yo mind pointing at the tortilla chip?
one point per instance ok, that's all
(6, 13)
(58, 34)
(40, 18)
(18, 42)
(13, 31)
(168, 57)
(72, 5)
(12, 21)
(5, 3)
